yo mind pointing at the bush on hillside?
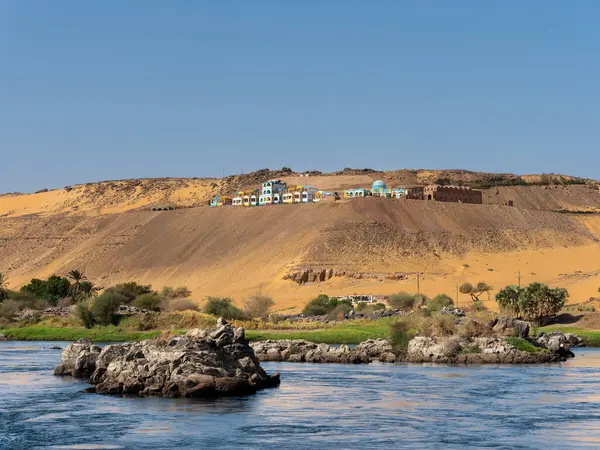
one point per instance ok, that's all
(402, 300)
(439, 302)
(222, 307)
(323, 305)
(105, 308)
(131, 290)
(178, 292)
(317, 307)
(53, 289)
(151, 301)
(26, 300)
(258, 306)
(180, 304)
(339, 311)
(368, 308)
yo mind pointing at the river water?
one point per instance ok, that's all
(317, 406)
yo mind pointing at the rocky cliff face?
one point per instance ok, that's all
(200, 364)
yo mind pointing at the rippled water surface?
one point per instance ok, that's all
(317, 406)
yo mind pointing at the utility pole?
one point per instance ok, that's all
(519, 277)
(418, 283)
(457, 295)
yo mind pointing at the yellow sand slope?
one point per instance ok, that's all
(241, 251)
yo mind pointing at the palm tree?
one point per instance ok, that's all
(76, 278)
(3, 286)
(88, 290)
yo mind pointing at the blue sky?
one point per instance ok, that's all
(146, 88)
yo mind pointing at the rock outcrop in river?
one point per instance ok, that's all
(479, 350)
(299, 350)
(200, 364)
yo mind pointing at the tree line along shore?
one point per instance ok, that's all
(71, 307)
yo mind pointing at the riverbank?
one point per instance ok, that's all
(350, 333)
(347, 334)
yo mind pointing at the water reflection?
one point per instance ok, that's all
(317, 406)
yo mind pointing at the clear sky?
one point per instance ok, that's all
(96, 90)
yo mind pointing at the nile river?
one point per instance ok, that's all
(317, 406)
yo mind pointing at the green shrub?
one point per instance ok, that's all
(178, 292)
(151, 301)
(523, 344)
(368, 308)
(402, 300)
(9, 309)
(222, 307)
(180, 304)
(105, 307)
(143, 322)
(401, 333)
(339, 311)
(440, 301)
(53, 289)
(474, 328)
(421, 300)
(533, 302)
(26, 300)
(131, 290)
(478, 306)
(258, 306)
(361, 307)
(323, 305)
(317, 307)
(438, 325)
(83, 313)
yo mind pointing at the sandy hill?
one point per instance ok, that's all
(241, 251)
(113, 197)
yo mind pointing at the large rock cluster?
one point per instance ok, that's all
(78, 359)
(506, 326)
(450, 350)
(299, 350)
(200, 364)
(479, 350)
(559, 343)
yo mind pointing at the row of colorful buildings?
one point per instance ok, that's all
(276, 192)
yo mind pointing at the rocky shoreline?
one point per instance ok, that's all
(222, 362)
(552, 347)
(200, 364)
